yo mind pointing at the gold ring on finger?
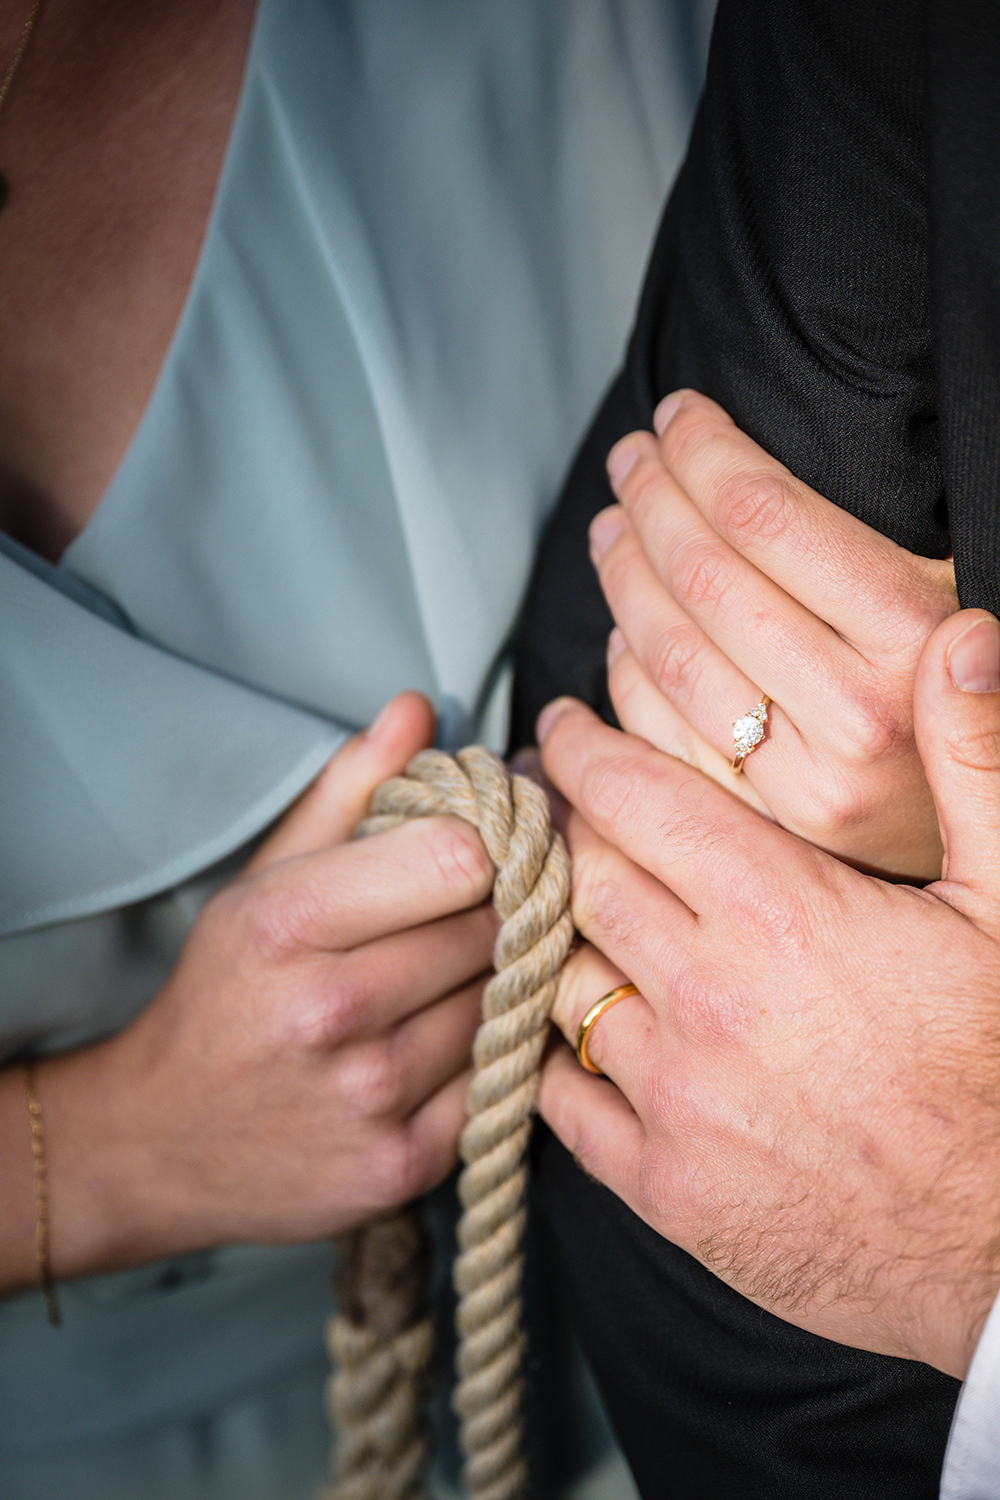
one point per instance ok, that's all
(587, 1024)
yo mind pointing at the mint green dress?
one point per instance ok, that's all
(416, 278)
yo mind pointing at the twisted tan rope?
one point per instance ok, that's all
(383, 1357)
(381, 1343)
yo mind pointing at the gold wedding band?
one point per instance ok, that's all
(748, 731)
(587, 1024)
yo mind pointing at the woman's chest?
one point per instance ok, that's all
(111, 139)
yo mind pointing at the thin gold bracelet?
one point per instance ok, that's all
(41, 1196)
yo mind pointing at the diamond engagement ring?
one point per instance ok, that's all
(748, 732)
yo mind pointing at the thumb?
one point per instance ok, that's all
(956, 713)
(330, 808)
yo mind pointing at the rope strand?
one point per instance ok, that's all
(374, 1401)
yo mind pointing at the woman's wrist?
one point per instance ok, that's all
(18, 1258)
(105, 1207)
(109, 1205)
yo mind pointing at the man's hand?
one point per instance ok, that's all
(728, 579)
(806, 1093)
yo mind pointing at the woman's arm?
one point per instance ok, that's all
(305, 1065)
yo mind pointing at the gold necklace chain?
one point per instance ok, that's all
(22, 48)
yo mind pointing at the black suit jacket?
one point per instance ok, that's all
(828, 269)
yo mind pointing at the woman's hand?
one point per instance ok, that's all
(305, 1067)
(729, 579)
(808, 1084)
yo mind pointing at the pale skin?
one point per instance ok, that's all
(806, 1092)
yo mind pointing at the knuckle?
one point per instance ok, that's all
(976, 748)
(706, 1008)
(591, 894)
(461, 859)
(648, 488)
(598, 902)
(402, 1166)
(371, 1081)
(688, 436)
(702, 573)
(673, 658)
(870, 726)
(755, 508)
(275, 920)
(608, 785)
(839, 803)
(916, 611)
(607, 909)
(327, 1016)
(782, 918)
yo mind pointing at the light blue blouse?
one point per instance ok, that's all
(416, 278)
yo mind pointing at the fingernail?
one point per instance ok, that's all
(378, 723)
(668, 407)
(616, 644)
(605, 529)
(622, 459)
(548, 716)
(974, 658)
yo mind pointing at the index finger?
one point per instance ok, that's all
(857, 580)
(354, 893)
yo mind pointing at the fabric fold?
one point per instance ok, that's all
(175, 767)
